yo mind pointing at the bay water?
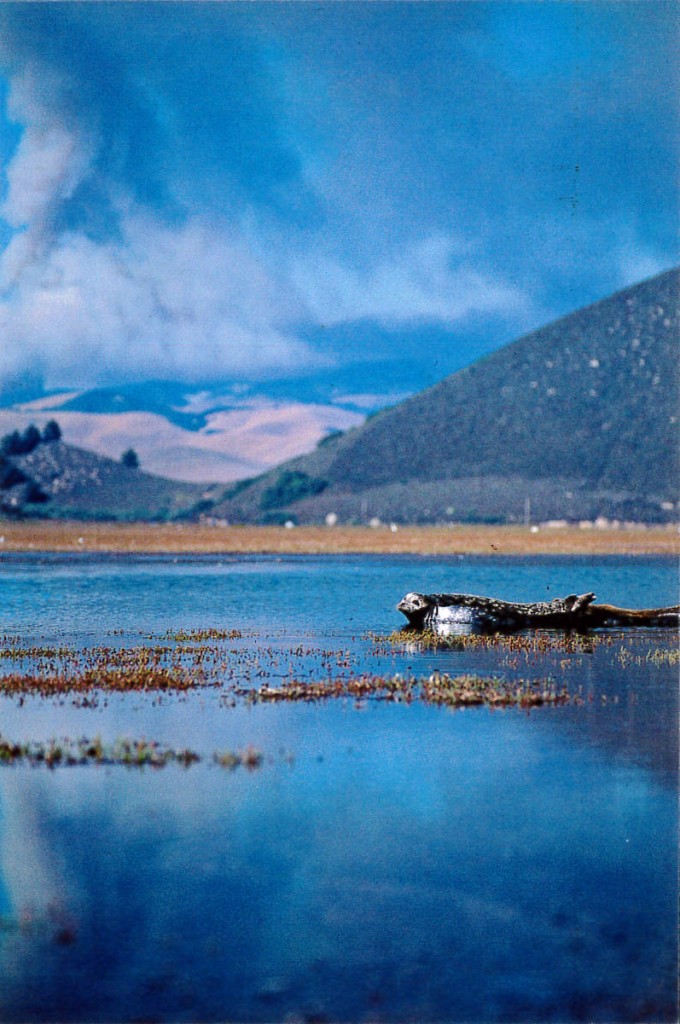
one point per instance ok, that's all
(386, 861)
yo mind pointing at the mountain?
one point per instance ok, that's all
(224, 432)
(576, 420)
(54, 479)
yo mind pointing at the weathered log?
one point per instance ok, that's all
(446, 613)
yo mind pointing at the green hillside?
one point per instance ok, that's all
(576, 420)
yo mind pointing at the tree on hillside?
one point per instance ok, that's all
(30, 439)
(34, 494)
(21, 444)
(51, 431)
(11, 443)
(130, 459)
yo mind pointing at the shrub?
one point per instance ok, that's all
(51, 431)
(21, 444)
(291, 486)
(10, 475)
(239, 487)
(11, 444)
(130, 459)
(35, 494)
(30, 439)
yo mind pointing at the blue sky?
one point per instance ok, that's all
(218, 191)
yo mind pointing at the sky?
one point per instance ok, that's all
(220, 191)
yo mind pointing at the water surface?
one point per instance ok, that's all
(387, 862)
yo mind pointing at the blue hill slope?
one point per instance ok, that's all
(579, 418)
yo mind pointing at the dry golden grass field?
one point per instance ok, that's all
(151, 538)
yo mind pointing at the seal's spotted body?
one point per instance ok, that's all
(444, 613)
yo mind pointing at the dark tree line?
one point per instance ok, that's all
(23, 443)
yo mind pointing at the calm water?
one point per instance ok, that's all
(405, 863)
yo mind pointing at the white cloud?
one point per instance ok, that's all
(185, 299)
(416, 284)
(163, 300)
(52, 159)
(194, 299)
(636, 262)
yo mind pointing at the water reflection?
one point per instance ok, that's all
(495, 873)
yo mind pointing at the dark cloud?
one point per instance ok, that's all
(245, 172)
(177, 100)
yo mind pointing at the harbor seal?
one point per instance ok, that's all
(455, 613)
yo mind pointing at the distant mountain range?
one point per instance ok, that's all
(573, 421)
(222, 433)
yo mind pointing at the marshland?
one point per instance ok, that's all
(231, 781)
(36, 535)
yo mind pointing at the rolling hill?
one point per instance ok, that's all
(576, 420)
(57, 480)
(224, 432)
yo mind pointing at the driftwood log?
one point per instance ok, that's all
(445, 613)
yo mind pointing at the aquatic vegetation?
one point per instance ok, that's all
(533, 642)
(180, 661)
(438, 688)
(15, 650)
(295, 690)
(459, 691)
(130, 753)
(112, 679)
(68, 752)
(194, 635)
(250, 758)
(664, 656)
(656, 656)
(227, 759)
(260, 669)
(53, 672)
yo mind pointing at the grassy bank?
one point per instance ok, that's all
(437, 540)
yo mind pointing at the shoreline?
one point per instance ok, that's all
(41, 536)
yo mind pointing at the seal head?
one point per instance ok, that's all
(415, 607)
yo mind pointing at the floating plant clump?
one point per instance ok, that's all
(250, 758)
(15, 650)
(458, 691)
(130, 753)
(68, 752)
(439, 689)
(535, 642)
(113, 679)
(47, 671)
(658, 656)
(194, 635)
(394, 688)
